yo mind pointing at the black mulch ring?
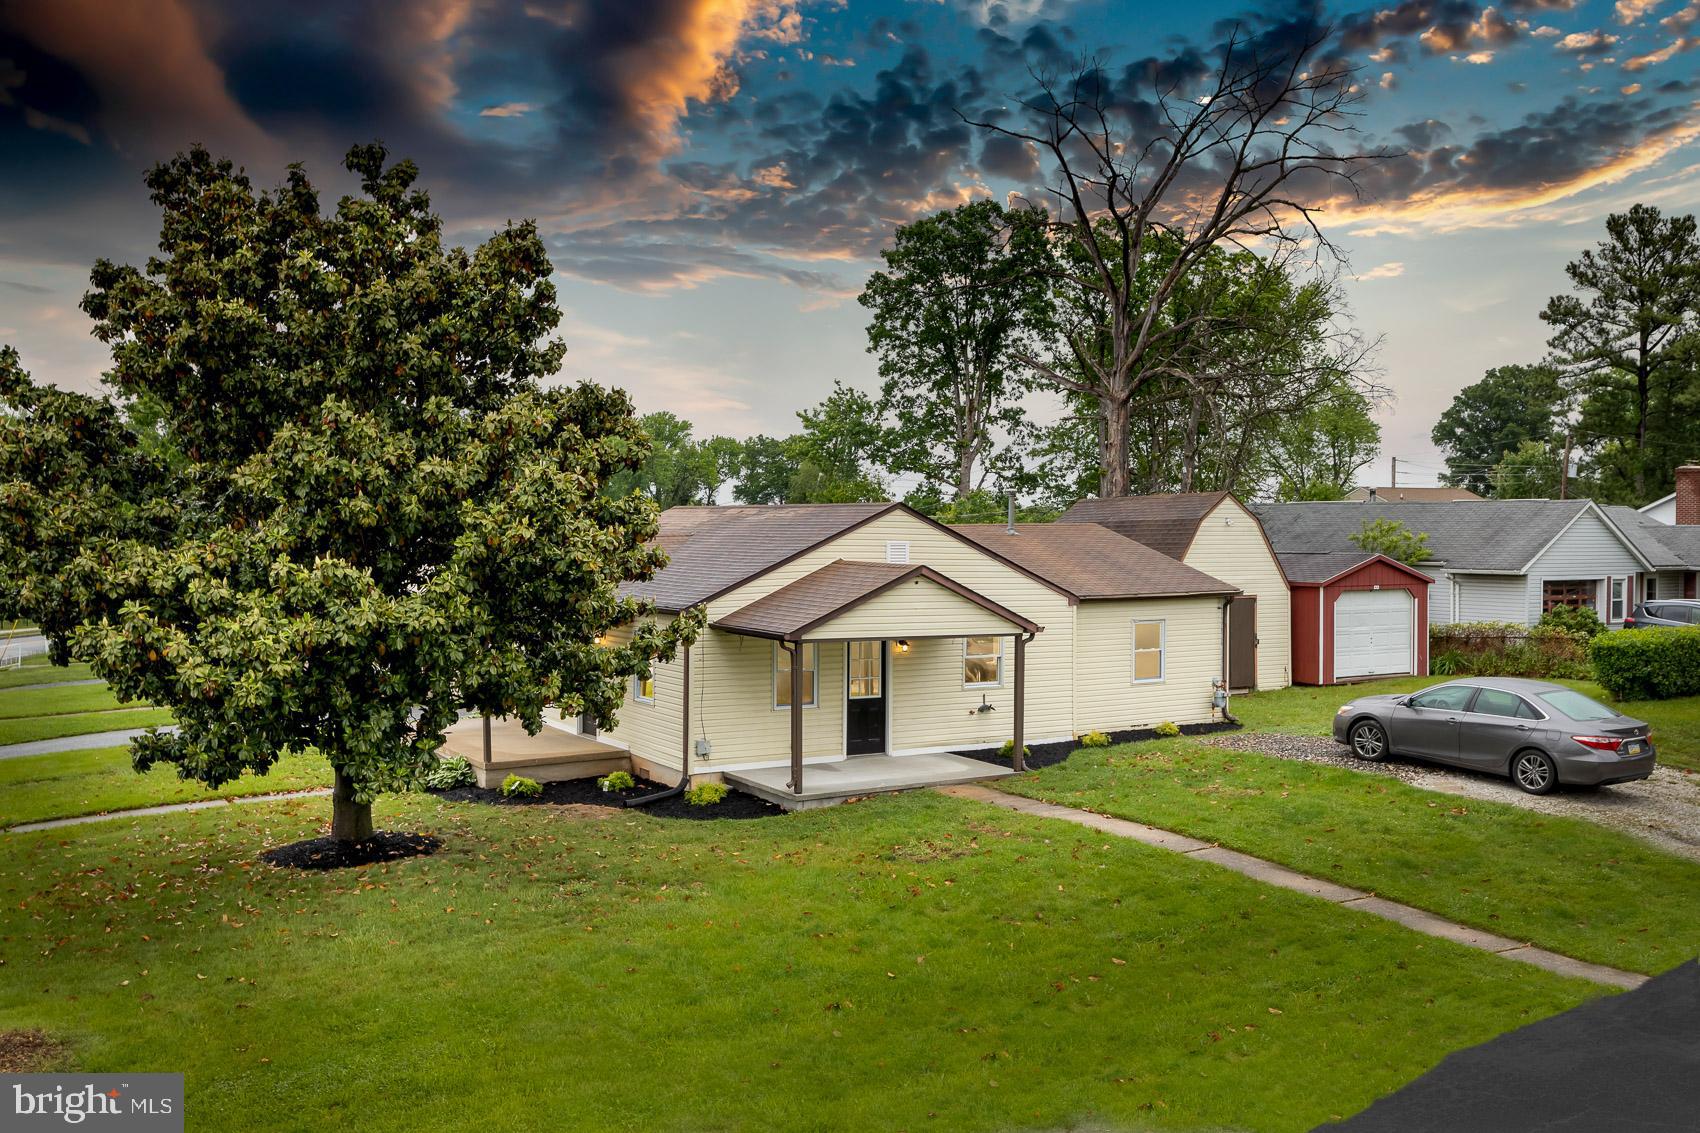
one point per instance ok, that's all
(328, 853)
(585, 792)
(1049, 755)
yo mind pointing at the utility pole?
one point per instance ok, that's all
(1393, 477)
(1564, 470)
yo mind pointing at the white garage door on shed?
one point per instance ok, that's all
(1372, 633)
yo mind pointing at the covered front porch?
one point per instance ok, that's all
(877, 613)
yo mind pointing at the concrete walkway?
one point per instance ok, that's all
(1280, 876)
(77, 743)
(173, 808)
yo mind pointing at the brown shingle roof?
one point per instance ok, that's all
(1090, 561)
(1165, 523)
(712, 549)
(797, 607)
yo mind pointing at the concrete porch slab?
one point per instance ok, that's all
(826, 784)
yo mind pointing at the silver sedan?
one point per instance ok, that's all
(1537, 733)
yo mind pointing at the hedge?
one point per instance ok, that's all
(1507, 649)
(1656, 663)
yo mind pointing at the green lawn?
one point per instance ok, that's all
(1563, 883)
(1676, 723)
(37, 670)
(50, 727)
(907, 963)
(16, 703)
(91, 782)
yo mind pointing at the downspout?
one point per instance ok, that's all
(684, 782)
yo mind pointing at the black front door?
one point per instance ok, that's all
(864, 710)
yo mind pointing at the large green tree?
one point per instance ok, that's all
(1625, 335)
(963, 292)
(679, 468)
(1496, 416)
(382, 518)
(1318, 453)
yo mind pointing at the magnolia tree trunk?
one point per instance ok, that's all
(351, 821)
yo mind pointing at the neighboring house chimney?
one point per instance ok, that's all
(1688, 494)
(1372, 497)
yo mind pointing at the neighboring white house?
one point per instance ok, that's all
(1213, 532)
(841, 630)
(1661, 511)
(1492, 560)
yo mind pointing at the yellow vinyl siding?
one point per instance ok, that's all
(1230, 546)
(1107, 699)
(651, 728)
(732, 702)
(912, 609)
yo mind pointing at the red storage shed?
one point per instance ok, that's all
(1356, 616)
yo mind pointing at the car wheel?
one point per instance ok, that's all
(1534, 773)
(1369, 741)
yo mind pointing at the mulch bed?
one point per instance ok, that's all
(1049, 755)
(28, 1052)
(585, 792)
(328, 853)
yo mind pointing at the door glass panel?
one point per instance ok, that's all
(1450, 698)
(865, 669)
(1498, 702)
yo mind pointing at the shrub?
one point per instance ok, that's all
(617, 781)
(1167, 728)
(1656, 663)
(450, 773)
(1507, 649)
(1580, 620)
(519, 787)
(1008, 749)
(706, 794)
(1090, 739)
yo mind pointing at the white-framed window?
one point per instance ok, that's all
(782, 675)
(864, 659)
(897, 552)
(1148, 638)
(1650, 588)
(1619, 596)
(982, 662)
(643, 689)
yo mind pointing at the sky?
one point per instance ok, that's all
(715, 178)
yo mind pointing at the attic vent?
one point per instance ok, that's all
(897, 552)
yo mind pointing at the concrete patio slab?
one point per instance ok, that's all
(826, 784)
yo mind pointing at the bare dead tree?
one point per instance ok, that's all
(1245, 158)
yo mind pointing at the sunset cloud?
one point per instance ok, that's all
(1383, 271)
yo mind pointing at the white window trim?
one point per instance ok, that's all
(1617, 605)
(803, 648)
(966, 683)
(637, 689)
(1162, 625)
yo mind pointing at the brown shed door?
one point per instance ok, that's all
(1242, 642)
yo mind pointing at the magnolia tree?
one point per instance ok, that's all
(360, 512)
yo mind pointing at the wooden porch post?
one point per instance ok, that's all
(795, 648)
(1017, 754)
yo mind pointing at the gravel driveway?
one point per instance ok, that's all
(1663, 809)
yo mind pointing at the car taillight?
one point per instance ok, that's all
(1600, 743)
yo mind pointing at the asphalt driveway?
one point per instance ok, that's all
(1626, 1063)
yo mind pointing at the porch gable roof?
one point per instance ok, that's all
(789, 613)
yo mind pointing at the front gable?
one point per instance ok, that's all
(1589, 547)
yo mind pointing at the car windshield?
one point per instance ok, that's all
(1576, 706)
